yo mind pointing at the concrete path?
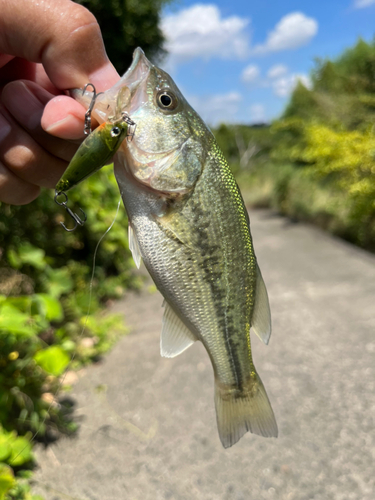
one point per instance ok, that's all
(148, 429)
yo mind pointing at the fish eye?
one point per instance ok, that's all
(166, 100)
(115, 132)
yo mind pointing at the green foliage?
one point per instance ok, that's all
(14, 450)
(126, 25)
(15, 488)
(48, 311)
(243, 145)
(53, 360)
(7, 481)
(342, 92)
(37, 255)
(345, 162)
(317, 162)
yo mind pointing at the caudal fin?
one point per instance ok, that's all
(240, 411)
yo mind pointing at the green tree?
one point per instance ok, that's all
(126, 25)
(342, 91)
(302, 103)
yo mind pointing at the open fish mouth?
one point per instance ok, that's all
(138, 71)
(107, 103)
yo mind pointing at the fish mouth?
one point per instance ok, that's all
(138, 71)
(109, 103)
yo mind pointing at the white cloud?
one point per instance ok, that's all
(200, 31)
(361, 4)
(292, 31)
(217, 108)
(250, 74)
(284, 86)
(277, 70)
(257, 113)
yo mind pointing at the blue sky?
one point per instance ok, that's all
(238, 61)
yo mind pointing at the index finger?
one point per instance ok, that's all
(63, 36)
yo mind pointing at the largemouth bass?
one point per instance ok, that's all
(188, 223)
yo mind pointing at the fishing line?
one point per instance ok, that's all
(60, 384)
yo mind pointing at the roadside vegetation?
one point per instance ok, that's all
(51, 318)
(317, 162)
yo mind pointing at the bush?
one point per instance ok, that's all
(49, 311)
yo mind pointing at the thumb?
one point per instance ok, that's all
(63, 36)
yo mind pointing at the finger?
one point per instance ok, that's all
(4, 59)
(26, 101)
(24, 157)
(64, 117)
(66, 39)
(14, 190)
(21, 69)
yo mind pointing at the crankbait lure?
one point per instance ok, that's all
(95, 151)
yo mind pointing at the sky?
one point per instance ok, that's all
(238, 61)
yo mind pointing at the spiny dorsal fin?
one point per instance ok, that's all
(261, 320)
(175, 336)
(133, 246)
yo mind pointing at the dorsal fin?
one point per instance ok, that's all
(133, 246)
(261, 320)
(175, 336)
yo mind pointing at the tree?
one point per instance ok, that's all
(126, 25)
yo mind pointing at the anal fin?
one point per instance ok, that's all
(175, 336)
(261, 320)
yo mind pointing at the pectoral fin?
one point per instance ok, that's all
(175, 336)
(261, 320)
(133, 246)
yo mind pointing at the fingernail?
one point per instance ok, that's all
(5, 127)
(50, 129)
(69, 128)
(22, 104)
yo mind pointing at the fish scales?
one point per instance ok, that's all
(205, 299)
(188, 223)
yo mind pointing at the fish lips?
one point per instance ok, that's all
(118, 98)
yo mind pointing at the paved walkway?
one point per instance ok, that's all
(148, 429)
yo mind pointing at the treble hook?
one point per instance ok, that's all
(87, 129)
(75, 217)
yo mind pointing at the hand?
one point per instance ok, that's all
(46, 47)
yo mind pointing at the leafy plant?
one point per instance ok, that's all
(317, 162)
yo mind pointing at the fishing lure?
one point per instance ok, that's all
(95, 151)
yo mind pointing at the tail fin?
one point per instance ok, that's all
(240, 411)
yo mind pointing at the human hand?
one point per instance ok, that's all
(46, 47)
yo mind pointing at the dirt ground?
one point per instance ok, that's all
(147, 424)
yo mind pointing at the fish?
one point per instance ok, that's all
(189, 225)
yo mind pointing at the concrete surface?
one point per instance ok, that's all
(148, 429)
